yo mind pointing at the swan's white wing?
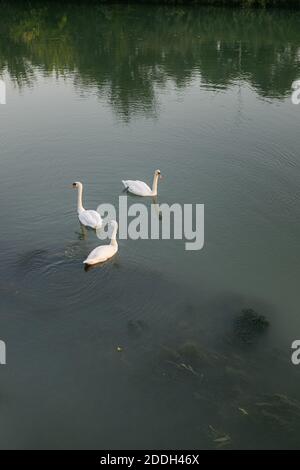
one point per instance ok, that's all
(100, 254)
(90, 218)
(137, 187)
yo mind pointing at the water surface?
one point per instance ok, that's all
(99, 94)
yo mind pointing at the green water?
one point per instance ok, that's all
(100, 94)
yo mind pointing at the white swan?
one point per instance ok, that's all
(142, 189)
(89, 218)
(104, 252)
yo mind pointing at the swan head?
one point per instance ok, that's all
(158, 174)
(76, 184)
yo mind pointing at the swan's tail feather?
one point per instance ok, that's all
(125, 184)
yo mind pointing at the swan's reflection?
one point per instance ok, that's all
(83, 234)
(155, 204)
(114, 262)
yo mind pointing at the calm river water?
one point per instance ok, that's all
(154, 349)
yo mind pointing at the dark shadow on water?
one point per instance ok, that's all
(124, 346)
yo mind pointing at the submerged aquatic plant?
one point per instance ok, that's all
(249, 324)
(280, 410)
(219, 438)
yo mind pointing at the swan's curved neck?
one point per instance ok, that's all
(113, 240)
(154, 184)
(80, 207)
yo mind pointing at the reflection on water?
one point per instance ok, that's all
(158, 348)
(126, 54)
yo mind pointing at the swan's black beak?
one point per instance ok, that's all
(74, 185)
